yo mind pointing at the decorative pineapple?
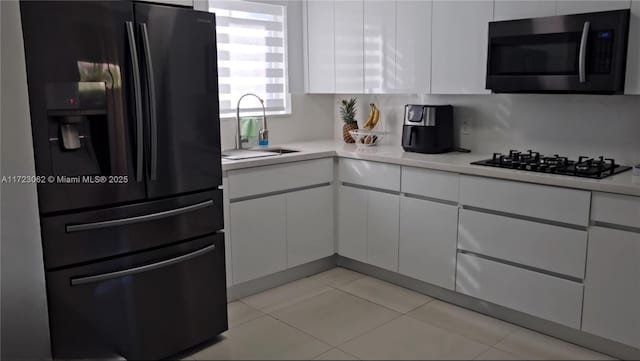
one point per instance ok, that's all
(348, 114)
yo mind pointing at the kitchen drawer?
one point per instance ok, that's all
(370, 174)
(537, 294)
(562, 205)
(274, 178)
(99, 308)
(616, 209)
(556, 249)
(117, 231)
(430, 183)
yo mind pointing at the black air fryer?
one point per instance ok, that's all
(428, 128)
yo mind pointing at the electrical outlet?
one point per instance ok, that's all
(466, 126)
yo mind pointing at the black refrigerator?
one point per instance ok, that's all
(124, 113)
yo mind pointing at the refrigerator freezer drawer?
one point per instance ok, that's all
(87, 236)
(147, 306)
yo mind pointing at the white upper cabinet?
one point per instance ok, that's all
(319, 48)
(379, 46)
(459, 46)
(514, 9)
(632, 83)
(565, 7)
(413, 47)
(349, 46)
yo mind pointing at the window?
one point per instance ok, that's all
(252, 56)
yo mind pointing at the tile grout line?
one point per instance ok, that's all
(385, 306)
(431, 299)
(283, 285)
(400, 314)
(305, 332)
(242, 323)
(516, 329)
(341, 350)
(450, 331)
(336, 288)
(296, 302)
(371, 330)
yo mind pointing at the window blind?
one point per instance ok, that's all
(252, 56)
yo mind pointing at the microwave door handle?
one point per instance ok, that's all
(153, 123)
(135, 70)
(582, 56)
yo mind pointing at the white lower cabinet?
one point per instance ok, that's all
(368, 226)
(258, 228)
(552, 248)
(382, 230)
(551, 298)
(428, 241)
(352, 222)
(612, 286)
(309, 224)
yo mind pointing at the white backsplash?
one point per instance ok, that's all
(569, 124)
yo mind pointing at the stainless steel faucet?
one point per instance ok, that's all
(263, 134)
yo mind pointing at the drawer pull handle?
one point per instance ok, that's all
(137, 219)
(140, 269)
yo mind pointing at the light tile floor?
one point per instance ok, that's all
(344, 315)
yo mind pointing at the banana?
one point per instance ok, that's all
(376, 117)
(369, 121)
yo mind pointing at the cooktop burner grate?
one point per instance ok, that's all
(596, 168)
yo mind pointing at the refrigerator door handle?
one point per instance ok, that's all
(137, 219)
(140, 269)
(153, 126)
(135, 66)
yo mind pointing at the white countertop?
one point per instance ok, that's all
(623, 183)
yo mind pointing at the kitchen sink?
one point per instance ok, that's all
(279, 150)
(238, 154)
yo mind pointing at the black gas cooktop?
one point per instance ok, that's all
(596, 168)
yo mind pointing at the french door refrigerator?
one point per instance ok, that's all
(125, 121)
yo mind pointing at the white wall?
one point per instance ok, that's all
(574, 125)
(24, 320)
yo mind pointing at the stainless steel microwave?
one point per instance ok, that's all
(582, 53)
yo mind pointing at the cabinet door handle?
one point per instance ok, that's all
(137, 219)
(140, 269)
